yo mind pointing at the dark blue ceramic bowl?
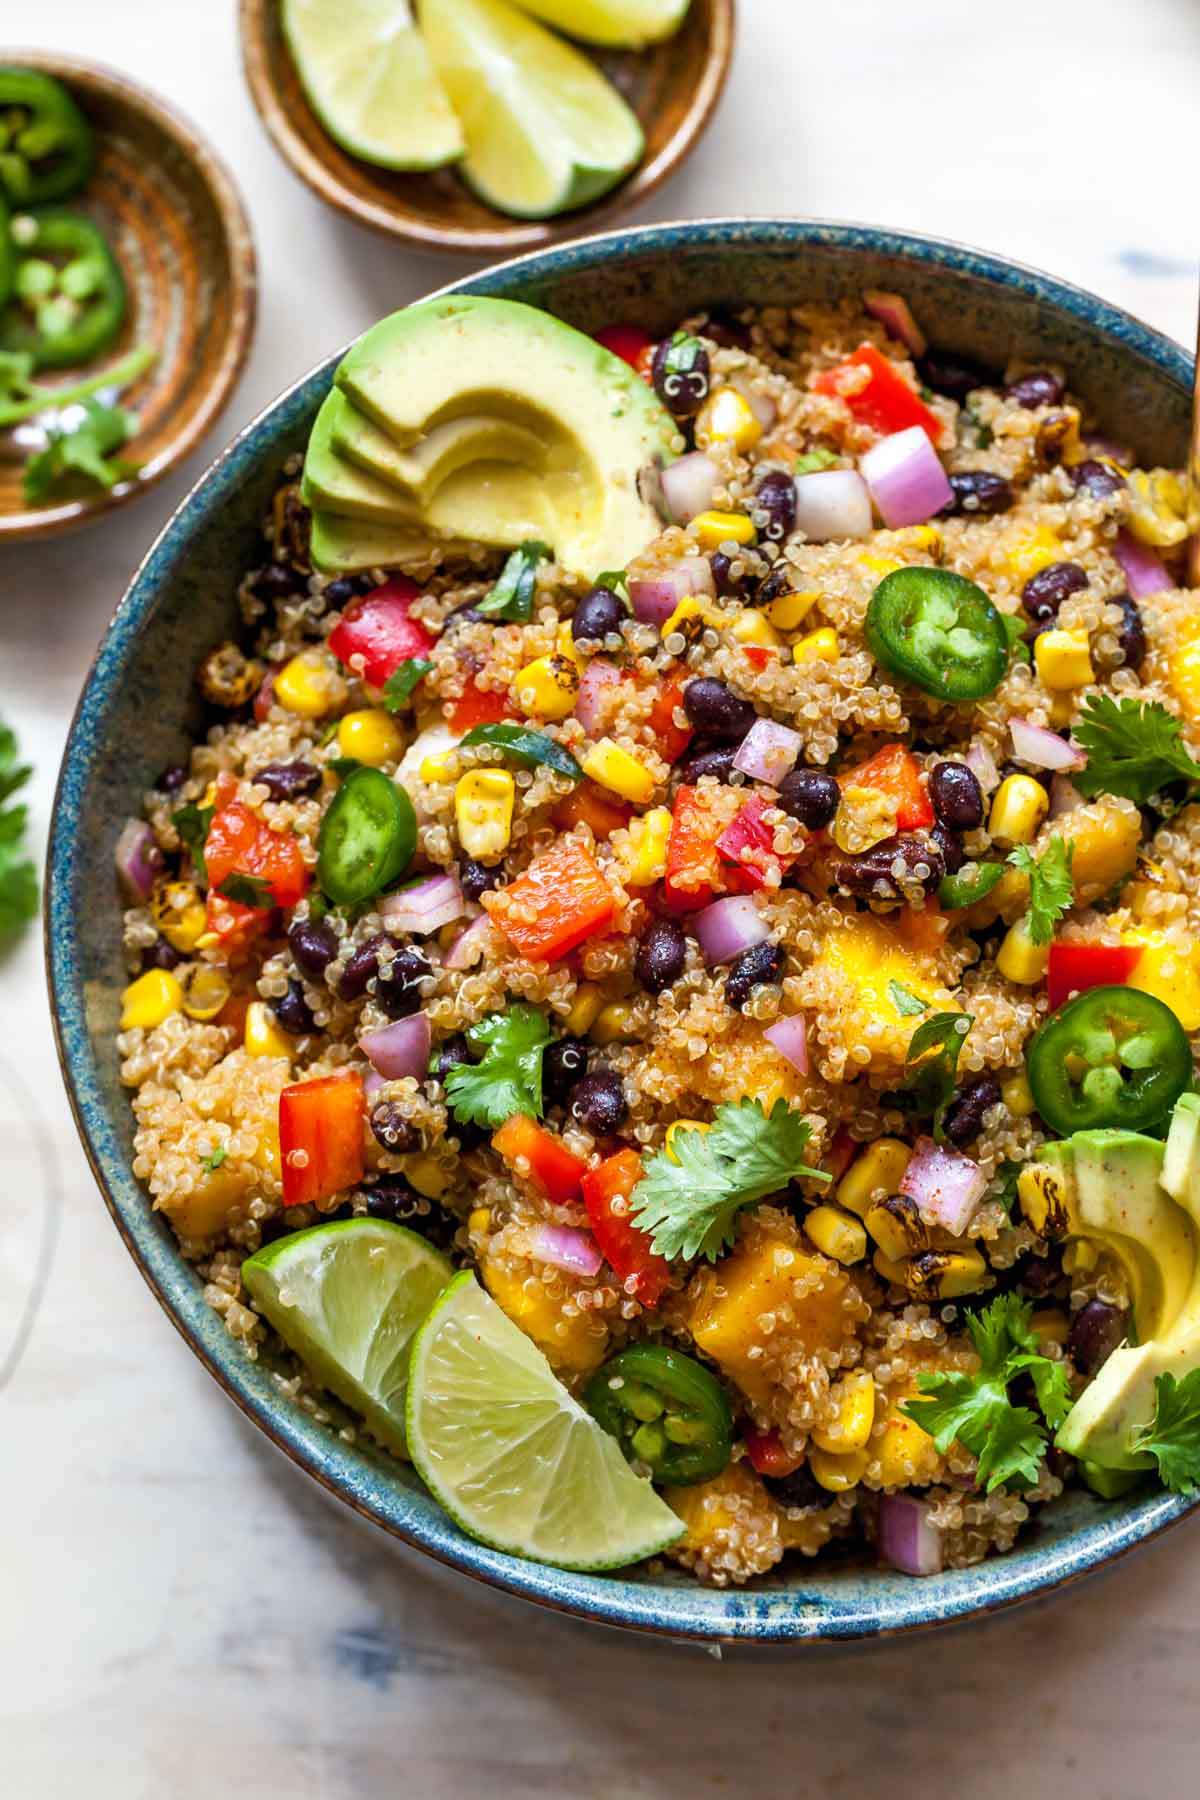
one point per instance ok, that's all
(134, 718)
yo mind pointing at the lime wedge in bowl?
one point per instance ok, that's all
(620, 24)
(545, 131)
(348, 1298)
(368, 77)
(514, 1459)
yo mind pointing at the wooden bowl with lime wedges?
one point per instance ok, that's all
(485, 125)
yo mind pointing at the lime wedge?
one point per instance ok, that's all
(620, 24)
(348, 1299)
(367, 73)
(512, 1457)
(545, 131)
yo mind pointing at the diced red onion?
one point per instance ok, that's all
(908, 1539)
(760, 404)
(598, 676)
(424, 905)
(790, 1038)
(655, 598)
(688, 485)
(727, 927)
(469, 945)
(566, 1248)
(1143, 570)
(1064, 797)
(401, 1048)
(893, 313)
(982, 765)
(1043, 748)
(833, 504)
(768, 751)
(946, 1186)
(372, 1082)
(907, 481)
(138, 859)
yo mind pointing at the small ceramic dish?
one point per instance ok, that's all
(673, 88)
(180, 233)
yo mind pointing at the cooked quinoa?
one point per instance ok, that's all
(814, 1328)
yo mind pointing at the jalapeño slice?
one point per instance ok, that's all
(1111, 1057)
(939, 631)
(367, 837)
(665, 1410)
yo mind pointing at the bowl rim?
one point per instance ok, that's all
(506, 238)
(764, 1614)
(92, 77)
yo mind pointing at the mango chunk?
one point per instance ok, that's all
(870, 956)
(572, 1344)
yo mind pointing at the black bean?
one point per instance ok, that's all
(706, 757)
(799, 1490)
(313, 945)
(753, 968)
(978, 491)
(1131, 633)
(809, 796)
(392, 1199)
(288, 781)
(1043, 777)
(599, 612)
(679, 374)
(661, 955)
(598, 1102)
(1041, 1274)
(873, 873)
(954, 376)
(360, 966)
(1045, 592)
(953, 854)
(774, 508)
(475, 878)
(781, 580)
(962, 1121)
(293, 1011)
(277, 581)
(712, 706)
(956, 795)
(724, 579)
(564, 1062)
(1098, 478)
(171, 780)
(161, 955)
(1040, 388)
(339, 592)
(451, 1054)
(391, 1129)
(1096, 1331)
(398, 983)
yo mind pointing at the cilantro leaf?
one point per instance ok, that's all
(509, 1079)
(813, 461)
(527, 747)
(512, 597)
(18, 877)
(1173, 1436)
(1051, 885)
(247, 890)
(689, 1201)
(615, 580)
(214, 1159)
(192, 823)
(906, 1003)
(931, 1066)
(1134, 748)
(21, 396)
(86, 449)
(400, 685)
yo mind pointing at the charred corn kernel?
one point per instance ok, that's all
(1028, 548)
(945, 1274)
(613, 1022)
(1158, 509)
(483, 810)
(565, 645)
(751, 627)
(1042, 1201)
(836, 1474)
(716, 528)
(308, 685)
(178, 910)
(1080, 1257)
(850, 1428)
(1051, 1326)
(1017, 1097)
(690, 618)
(897, 1227)
(876, 1171)
(1020, 805)
(443, 765)
(678, 1125)
(479, 1220)
(1019, 958)
(787, 612)
(889, 1270)
(370, 737)
(727, 416)
(205, 991)
(837, 1234)
(150, 999)
(647, 856)
(585, 1009)
(818, 646)
(427, 1175)
(262, 1034)
(619, 772)
(547, 687)
(1063, 659)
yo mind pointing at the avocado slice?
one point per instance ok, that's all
(418, 472)
(335, 485)
(342, 546)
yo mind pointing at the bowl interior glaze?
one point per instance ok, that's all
(132, 721)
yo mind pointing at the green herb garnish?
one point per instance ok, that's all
(192, 823)
(509, 1079)
(400, 685)
(18, 877)
(615, 580)
(86, 449)
(512, 597)
(529, 748)
(247, 890)
(813, 461)
(905, 1001)
(1134, 748)
(1051, 886)
(1173, 1436)
(214, 1159)
(931, 1067)
(21, 397)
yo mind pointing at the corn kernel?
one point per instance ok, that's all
(837, 1234)
(427, 1175)
(178, 910)
(1063, 659)
(308, 685)
(787, 612)
(370, 737)
(877, 1170)
(1051, 1326)
(690, 618)
(443, 765)
(205, 991)
(619, 772)
(565, 645)
(1020, 805)
(888, 1270)
(1019, 958)
(925, 538)
(479, 1220)
(854, 1398)
(945, 1274)
(646, 858)
(547, 687)
(613, 1022)
(879, 565)
(897, 1227)
(727, 416)
(1158, 507)
(836, 1474)
(1016, 1095)
(753, 627)
(1080, 1257)
(716, 528)
(1183, 671)
(818, 646)
(150, 999)
(262, 1035)
(585, 1009)
(1030, 548)
(483, 810)
(675, 1127)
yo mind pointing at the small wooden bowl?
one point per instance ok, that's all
(180, 233)
(672, 87)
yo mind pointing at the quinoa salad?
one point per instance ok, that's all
(750, 993)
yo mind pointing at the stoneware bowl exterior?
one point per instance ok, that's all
(132, 722)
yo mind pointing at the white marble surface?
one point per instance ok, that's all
(181, 1613)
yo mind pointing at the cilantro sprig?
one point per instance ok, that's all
(87, 449)
(1133, 747)
(931, 1067)
(1008, 1440)
(511, 598)
(1051, 885)
(509, 1079)
(402, 683)
(689, 1201)
(1173, 1436)
(18, 877)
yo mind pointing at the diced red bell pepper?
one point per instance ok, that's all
(478, 706)
(884, 401)
(624, 1246)
(1073, 968)
(747, 841)
(378, 629)
(321, 1137)
(671, 739)
(591, 805)
(894, 771)
(553, 1168)
(629, 342)
(765, 1452)
(561, 900)
(757, 656)
(240, 843)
